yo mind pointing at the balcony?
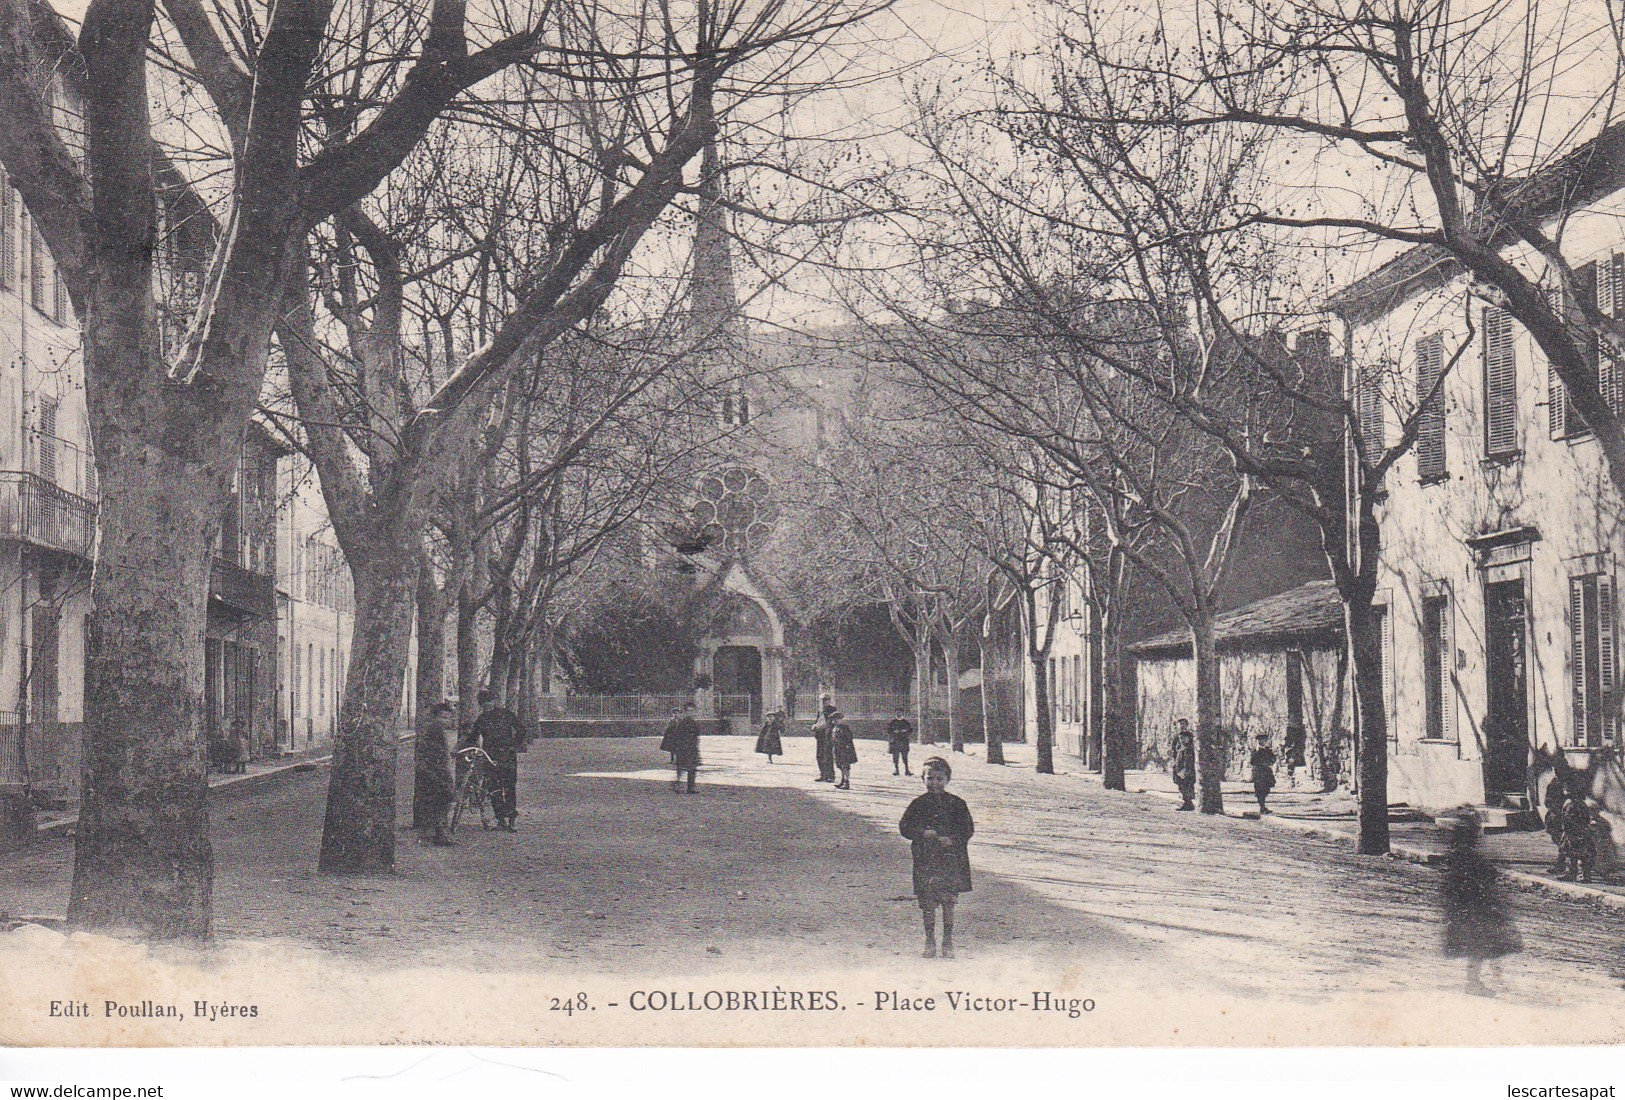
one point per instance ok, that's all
(38, 513)
(242, 590)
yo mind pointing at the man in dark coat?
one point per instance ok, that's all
(823, 747)
(498, 732)
(1184, 762)
(432, 770)
(683, 742)
(898, 734)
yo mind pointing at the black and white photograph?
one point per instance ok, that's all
(812, 523)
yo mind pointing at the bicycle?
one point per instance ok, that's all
(473, 788)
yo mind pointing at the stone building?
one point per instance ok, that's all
(1501, 529)
(1281, 670)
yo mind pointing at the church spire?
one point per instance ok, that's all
(712, 300)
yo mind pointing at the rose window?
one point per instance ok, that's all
(734, 510)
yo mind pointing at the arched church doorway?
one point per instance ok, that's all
(737, 670)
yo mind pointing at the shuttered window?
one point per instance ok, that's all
(8, 232)
(1500, 384)
(1438, 646)
(36, 266)
(1593, 671)
(1430, 424)
(1369, 409)
(1611, 301)
(1563, 419)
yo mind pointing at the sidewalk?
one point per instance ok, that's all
(1522, 856)
(256, 775)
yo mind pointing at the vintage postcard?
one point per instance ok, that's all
(854, 523)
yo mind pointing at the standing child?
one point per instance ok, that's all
(1579, 846)
(1556, 795)
(1184, 765)
(1263, 765)
(771, 741)
(842, 750)
(898, 735)
(939, 826)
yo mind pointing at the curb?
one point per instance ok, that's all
(1522, 879)
(233, 784)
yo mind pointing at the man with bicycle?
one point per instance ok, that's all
(498, 732)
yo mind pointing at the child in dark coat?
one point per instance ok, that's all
(1477, 924)
(1556, 795)
(1579, 845)
(1263, 765)
(841, 748)
(939, 826)
(771, 741)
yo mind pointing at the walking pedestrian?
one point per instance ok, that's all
(771, 741)
(1579, 847)
(1293, 751)
(1557, 793)
(498, 732)
(1184, 765)
(684, 736)
(842, 750)
(938, 826)
(1477, 924)
(432, 768)
(821, 743)
(898, 734)
(1263, 766)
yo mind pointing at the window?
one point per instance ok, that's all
(1077, 687)
(321, 683)
(1592, 662)
(61, 307)
(298, 681)
(1563, 420)
(1430, 426)
(1500, 385)
(46, 440)
(310, 675)
(8, 232)
(1371, 414)
(36, 266)
(1438, 684)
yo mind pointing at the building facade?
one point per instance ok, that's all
(48, 493)
(1501, 530)
(315, 613)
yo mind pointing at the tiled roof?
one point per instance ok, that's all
(1583, 176)
(1308, 613)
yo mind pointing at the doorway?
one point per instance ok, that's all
(1506, 725)
(738, 671)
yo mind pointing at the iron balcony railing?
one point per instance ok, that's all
(242, 589)
(39, 513)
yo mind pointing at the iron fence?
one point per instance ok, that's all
(609, 708)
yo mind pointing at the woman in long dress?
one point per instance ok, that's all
(771, 743)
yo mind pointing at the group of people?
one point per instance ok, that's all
(499, 733)
(938, 825)
(1573, 827)
(1261, 765)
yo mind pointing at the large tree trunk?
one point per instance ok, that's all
(358, 834)
(922, 691)
(468, 655)
(991, 732)
(1365, 640)
(1117, 707)
(142, 858)
(1209, 731)
(1045, 716)
(431, 679)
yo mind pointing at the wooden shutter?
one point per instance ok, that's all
(1370, 412)
(1500, 384)
(1430, 435)
(8, 232)
(1557, 397)
(1606, 657)
(1611, 303)
(1577, 656)
(36, 267)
